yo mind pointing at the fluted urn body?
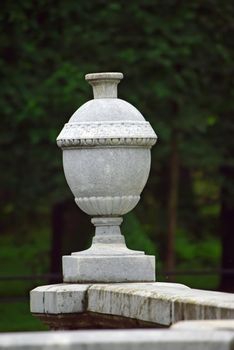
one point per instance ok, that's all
(106, 158)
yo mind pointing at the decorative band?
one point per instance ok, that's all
(63, 143)
(125, 133)
(101, 206)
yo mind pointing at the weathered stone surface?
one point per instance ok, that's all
(119, 340)
(227, 325)
(37, 299)
(144, 301)
(106, 158)
(179, 304)
(105, 268)
(201, 304)
(159, 303)
(156, 303)
(107, 90)
(58, 299)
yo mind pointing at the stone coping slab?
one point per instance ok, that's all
(162, 304)
(227, 325)
(119, 340)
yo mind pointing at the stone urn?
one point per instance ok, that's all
(106, 159)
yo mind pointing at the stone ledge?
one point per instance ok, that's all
(227, 325)
(119, 340)
(58, 299)
(158, 303)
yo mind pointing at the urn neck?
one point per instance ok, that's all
(107, 230)
(104, 84)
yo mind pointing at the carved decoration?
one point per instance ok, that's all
(125, 133)
(107, 205)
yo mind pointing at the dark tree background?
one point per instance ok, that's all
(177, 58)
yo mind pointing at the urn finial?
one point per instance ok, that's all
(106, 159)
(104, 84)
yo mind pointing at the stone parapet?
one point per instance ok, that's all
(127, 305)
(170, 339)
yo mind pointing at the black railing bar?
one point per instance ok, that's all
(32, 277)
(197, 272)
(14, 299)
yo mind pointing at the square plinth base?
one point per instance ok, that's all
(129, 268)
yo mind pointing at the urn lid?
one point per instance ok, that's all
(106, 119)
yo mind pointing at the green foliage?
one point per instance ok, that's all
(134, 233)
(16, 317)
(21, 257)
(169, 51)
(197, 254)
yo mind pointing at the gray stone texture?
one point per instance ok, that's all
(227, 325)
(119, 340)
(107, 268)
(158, 303)
(106, 159)
(58, 298)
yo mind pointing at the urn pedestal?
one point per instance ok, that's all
(106, 158)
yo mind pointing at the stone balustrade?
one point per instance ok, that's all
(126, 305)
(189, 336)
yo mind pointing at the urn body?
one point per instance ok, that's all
(106, 159)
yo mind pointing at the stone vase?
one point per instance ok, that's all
(106, 159)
